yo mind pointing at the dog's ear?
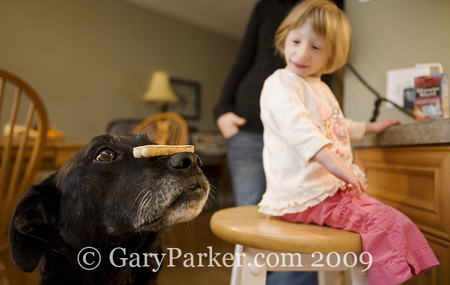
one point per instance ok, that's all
(32, 224)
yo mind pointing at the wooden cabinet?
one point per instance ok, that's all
(416, 181)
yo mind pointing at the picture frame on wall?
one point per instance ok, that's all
(188, 93)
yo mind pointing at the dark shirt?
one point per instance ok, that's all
(256, 60)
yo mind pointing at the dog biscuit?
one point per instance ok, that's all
(155, 150)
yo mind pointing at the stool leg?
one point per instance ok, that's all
(359, 277)
(237, 269)
(252, 273)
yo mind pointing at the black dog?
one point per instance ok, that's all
(104, 199)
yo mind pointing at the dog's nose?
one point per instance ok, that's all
(184, 160)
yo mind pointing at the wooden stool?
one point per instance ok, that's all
(265, 243)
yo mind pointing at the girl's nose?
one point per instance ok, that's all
(302, 52)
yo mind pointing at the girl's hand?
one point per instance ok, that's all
(352, 181)
(378, 127)
(229, 124)
(339, 170)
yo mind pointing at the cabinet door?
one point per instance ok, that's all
(414, 180)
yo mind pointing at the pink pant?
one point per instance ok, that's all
(399, 250)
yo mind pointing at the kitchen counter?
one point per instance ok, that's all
(432, 132)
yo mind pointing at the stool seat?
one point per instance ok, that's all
(246, 226)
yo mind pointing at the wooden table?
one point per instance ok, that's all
(56, 154)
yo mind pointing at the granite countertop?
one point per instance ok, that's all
(430, 132)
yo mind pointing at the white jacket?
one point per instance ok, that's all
(300, 117)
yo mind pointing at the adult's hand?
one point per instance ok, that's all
(229, 124)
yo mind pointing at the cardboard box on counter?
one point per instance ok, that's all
(432, 98)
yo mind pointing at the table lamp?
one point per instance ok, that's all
(160, 90)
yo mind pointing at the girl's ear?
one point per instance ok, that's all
(32, 225)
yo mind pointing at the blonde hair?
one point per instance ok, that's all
(328, 21)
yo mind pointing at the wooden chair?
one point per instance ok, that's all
(164, 128)
(266, 243)
(24, 121)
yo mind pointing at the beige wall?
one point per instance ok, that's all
(391, 34)
(91, 60)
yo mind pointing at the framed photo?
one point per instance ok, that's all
(188, 93)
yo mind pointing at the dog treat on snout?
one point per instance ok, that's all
(155, 150)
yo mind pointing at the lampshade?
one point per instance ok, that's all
(160, 89)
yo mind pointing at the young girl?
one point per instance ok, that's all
(307, 154)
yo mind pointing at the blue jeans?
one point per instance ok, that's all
(244, 152)
(292, 278)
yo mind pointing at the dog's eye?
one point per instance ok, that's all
(105, 155)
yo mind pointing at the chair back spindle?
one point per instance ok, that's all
(24, 123)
